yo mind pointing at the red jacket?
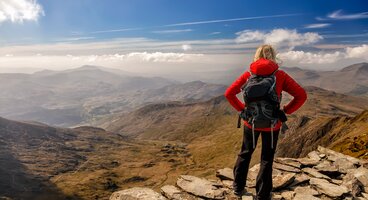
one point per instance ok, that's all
(283, 83)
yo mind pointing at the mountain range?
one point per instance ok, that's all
(349, 80)
(70, 97)
(147, 130)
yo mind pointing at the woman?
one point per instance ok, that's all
(264, 64)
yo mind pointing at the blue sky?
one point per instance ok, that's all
(308, 32)
(63, 19)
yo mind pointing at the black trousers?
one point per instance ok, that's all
(264, 177)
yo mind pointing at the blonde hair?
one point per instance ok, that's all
(266, 51)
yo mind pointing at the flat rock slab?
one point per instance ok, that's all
(300, 179)
(289, 161)
(315, 173)
(227, 183)
(137, 193)
(247, 197)
(356, 179)
(307, 162)
(201, 187)
(283, 180)
(253, 172)
(362, 175)
(305, 197)
(326, 167)
(343, 164)
(306, 190)
(175, 193)
(330, 189)
(225, 174)
(333, 155)
(288, 195)
(287, 168)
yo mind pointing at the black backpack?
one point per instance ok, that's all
(262, 102)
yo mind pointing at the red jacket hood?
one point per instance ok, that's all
(263, 67)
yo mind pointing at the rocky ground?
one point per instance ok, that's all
(322, 174)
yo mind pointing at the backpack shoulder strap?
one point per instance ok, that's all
(274, 72)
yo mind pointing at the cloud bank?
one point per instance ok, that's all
(18, 11)
(302, 57)
(278, 37)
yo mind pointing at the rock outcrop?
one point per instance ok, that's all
(323, 174)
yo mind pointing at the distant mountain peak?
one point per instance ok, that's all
(88, 67)
(359, 67)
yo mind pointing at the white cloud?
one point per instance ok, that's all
(310, 58)
(357, 52)
(18, 11)
(162, 57)
(172, 31)
(279, 37)
(321, 25)
(250, 36)
(302, 57)
(139, 57)
(186, 47)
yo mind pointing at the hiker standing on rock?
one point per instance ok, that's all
(262, 86)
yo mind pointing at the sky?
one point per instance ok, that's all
(167, 36)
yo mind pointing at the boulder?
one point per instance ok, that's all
(330, 189)
(136, 193)
(322, 155)
(225, 174)
(201, 187)
(314, 155)
(174, 193)
(315, 173)
(282, 180)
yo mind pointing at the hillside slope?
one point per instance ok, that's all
(35, 157)
(209, 127)
(349, 80)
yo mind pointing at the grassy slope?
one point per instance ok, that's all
(210, 127)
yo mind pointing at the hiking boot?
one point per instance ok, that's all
(239, 193)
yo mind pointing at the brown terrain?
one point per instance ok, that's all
(155, 144)
(350, 80)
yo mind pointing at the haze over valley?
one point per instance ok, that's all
(122, 99)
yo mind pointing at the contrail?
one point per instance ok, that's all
(196, 23)
(230, 20)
